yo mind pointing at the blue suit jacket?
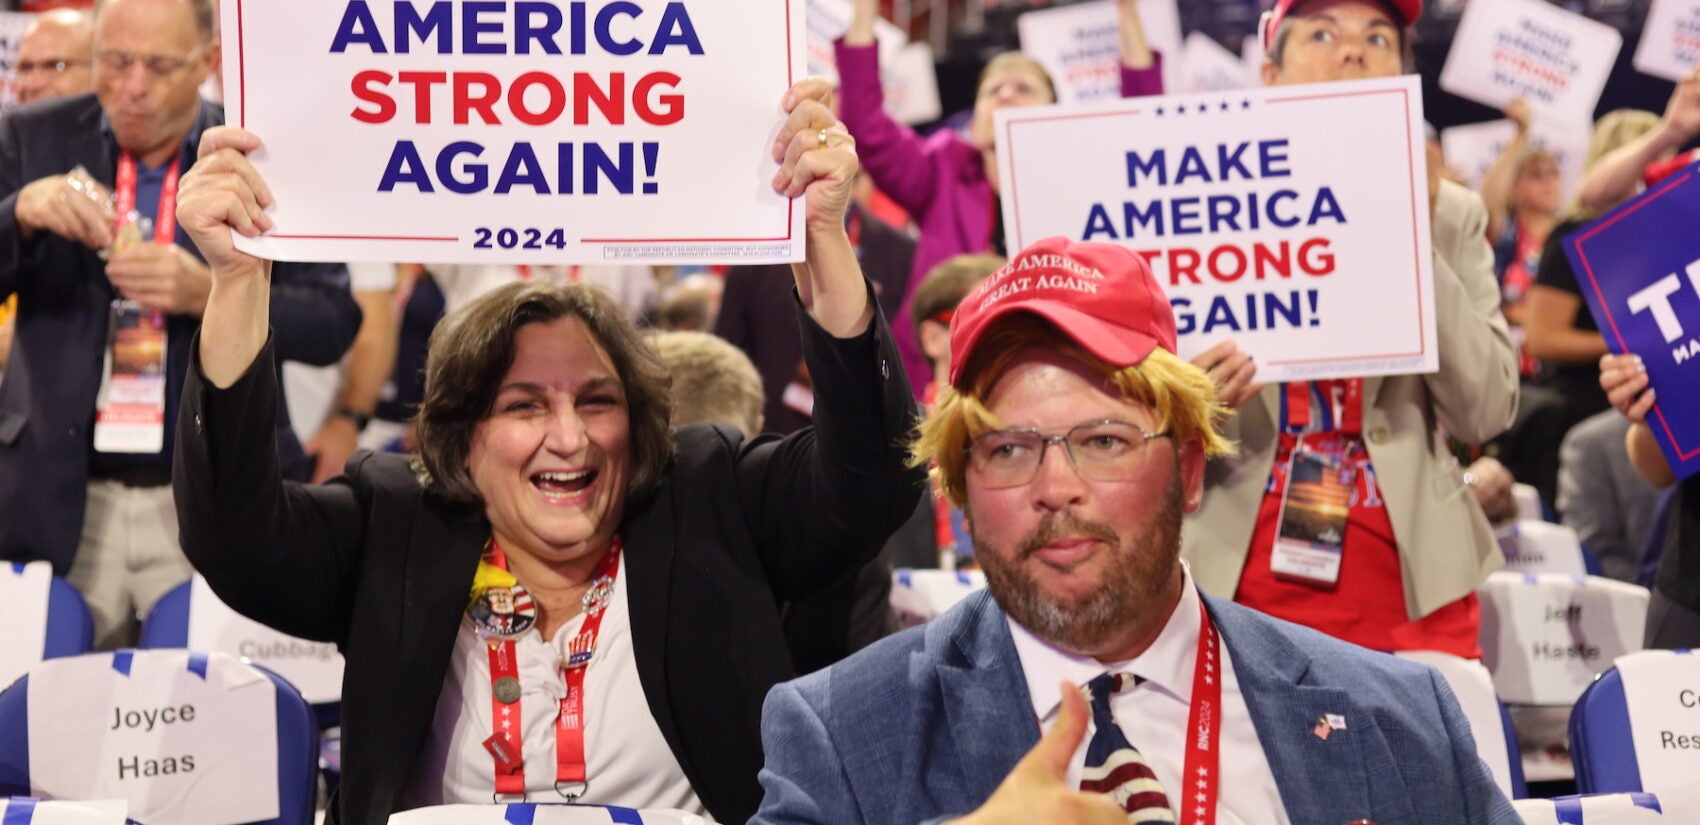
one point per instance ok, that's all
(47, 401)
(923, 726)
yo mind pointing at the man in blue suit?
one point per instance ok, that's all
(1200, 710)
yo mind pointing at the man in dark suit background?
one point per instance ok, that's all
(102, 516)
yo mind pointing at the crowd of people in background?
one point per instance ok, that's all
(783, 410)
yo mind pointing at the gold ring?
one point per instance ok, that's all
(821, 137)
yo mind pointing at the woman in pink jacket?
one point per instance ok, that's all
(948, 181)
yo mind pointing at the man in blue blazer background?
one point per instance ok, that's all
(1075, 439)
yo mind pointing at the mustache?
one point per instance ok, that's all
(1062, 525)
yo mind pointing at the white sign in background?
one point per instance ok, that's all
(1662, 690)
(314, 668)
(181, 748)
(1209, 67)
(1670, 40)
(679, 160)
(1471, 149)
(23, 609)
(1555, 59)
(911, 85)
(1080, 45)
(1264, 221)
(12, 26)
(827, 22)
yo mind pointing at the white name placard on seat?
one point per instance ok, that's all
(40, 812)
(542, 814)
(919, 596)
(1546, 636)
(1662, 689)
(23, 612)
(1670, 808)
(314, 668)
(1541, 547)
(186, 738)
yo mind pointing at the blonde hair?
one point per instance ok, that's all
(1181, 395)
(713, 381)
(1614, 129)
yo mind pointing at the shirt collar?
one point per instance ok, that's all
(1167, 664)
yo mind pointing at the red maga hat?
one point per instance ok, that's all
(1410, 10)
(1101, 295)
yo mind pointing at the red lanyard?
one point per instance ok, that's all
(506, 742)
(1296, 399)
(165, 217)
(1200, 780)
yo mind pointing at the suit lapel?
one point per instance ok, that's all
(987, 707)
(441, 561)
(1321, 779)
(647, 536)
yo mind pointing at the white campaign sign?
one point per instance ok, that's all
(1545, 636)
(911, 85)
(1471, 149)
(1670, 42)
(1208, 67)
(1264, 221)
(23, 610)
(827, 22)
(183, 747)
(1555, 59)
(1662, 690)
(314, 668)
(1252, 55)
(462, 132)
(1080, 45)
(12, 26)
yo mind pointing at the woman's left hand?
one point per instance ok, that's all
(816, 155)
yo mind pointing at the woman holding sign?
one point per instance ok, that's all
(948, 182)
(559, 600)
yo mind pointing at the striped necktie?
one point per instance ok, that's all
(1113, 765)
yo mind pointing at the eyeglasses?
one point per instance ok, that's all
(160, 65)
(1099, 450)
(29, 67)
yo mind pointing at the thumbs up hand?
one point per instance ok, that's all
(1037, 789)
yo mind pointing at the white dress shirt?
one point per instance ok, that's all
(628, 762)
(1153, 714)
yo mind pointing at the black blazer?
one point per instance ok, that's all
(47, 401)
(382, 567)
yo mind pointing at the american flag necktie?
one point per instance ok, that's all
(1113, 765)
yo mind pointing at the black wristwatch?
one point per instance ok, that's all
(360, 419)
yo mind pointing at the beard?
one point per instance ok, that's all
(1140, 571)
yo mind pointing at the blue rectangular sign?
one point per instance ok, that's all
(1639, 269)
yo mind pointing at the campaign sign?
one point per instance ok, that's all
(1080, 45)
(12, 26)
(1264, 221)
(1642, 282)
(827, 22)
(1209, 67)
(1471, 149)
(1555, 59)
(1670, 42)
(459, 131)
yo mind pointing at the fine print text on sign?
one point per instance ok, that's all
(1264, 221)
(1642, 282)
(457, 131)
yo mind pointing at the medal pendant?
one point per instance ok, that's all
(597, 597)
(506, 690)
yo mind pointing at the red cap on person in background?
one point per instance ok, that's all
(1101, 295)
(1410, 10)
